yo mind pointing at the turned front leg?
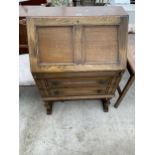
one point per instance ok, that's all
(48, 105)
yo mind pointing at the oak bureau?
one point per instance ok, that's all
(77, 52)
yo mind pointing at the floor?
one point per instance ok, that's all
(76, 127)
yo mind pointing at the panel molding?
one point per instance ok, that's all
(57, 21)
(78, 24)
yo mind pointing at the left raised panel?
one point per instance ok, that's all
(55, 44)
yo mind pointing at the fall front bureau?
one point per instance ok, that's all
(77, 52)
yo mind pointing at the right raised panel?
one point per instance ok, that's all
(100, 44)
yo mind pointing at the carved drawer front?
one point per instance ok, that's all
(76, 87)
(81, 91)
(97, 83)
(78, 82)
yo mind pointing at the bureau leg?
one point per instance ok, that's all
(106, 103)
(48, 105)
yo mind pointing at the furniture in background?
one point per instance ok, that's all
(80, 56)
(32, 2)
(23, 43)
(130, 69)
(90, 2)
(132, 1)
(87, 2)
(101, 2)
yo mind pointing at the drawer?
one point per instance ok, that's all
(75, 74)
(78, 82)
(90, 83)
(77, 92)
(78, 86)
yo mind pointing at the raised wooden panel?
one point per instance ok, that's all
(100, 44)
(55, 44)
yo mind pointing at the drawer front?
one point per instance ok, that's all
(78, 82)
(75, 75)
(77, 85)
(76, 92)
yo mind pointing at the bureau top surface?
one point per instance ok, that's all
(41, 11)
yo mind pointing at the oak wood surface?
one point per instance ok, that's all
(55, 45)
(100, 44)
(77, 55)
(47, 66)
(75, 82)
(63, 98)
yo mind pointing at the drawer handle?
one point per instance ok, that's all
(102, 81)
(56, 92)
(55, 83)
(99, 91)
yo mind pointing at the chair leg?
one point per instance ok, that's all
(48, 105)
(106, 103)
(124, 91)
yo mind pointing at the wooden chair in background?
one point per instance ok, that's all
(130, 69)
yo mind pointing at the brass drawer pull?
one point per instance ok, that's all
(55, 83)
(102, 81)
(99, 91)
(56, 92)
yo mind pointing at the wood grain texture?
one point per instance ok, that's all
(77, 82)
(76, 97)
(78, 54)
(78, 20)
(77, 85)
(123, 39)
(55, 44)
(101, 44)
(85, 50)
(75, 74)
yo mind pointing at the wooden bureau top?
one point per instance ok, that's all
(41, 11)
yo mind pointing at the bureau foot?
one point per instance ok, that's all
(106, 103)
(48, 105)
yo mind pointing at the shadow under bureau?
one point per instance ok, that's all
(77, 52)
